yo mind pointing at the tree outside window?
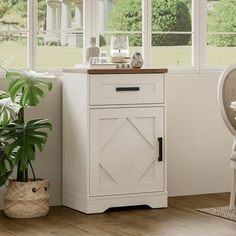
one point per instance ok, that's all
(221, 26)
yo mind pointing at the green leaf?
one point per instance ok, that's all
(22, 139)
(39, 123)
(6, 165)
(14, 87)
(4, 117)
(8, 108)
(32, 88)
(14, 73)
(4, 175)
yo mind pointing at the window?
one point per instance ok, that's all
(171, 33)
(161, 29)
(221, 35)
(60, 33)
(178, 34)
(120, 18)
(13, 32)
(53, 37)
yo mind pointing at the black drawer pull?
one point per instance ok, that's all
(160, 149)
(123, 89)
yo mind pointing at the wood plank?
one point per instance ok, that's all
(128, 71)
(179, 219)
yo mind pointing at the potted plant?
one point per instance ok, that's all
(19, 139)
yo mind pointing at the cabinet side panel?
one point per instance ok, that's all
(75, 136)
(165, 134)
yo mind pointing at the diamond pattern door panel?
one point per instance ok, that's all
(124, 150)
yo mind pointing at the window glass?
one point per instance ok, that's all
(171, 33)
(60, 33)
(13, 32)
(120, 18)
(221, 35)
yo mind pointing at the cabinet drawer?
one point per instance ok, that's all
(126, 89)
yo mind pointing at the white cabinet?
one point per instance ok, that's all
(113, 145)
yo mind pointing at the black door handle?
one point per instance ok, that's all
(122, 89)
(160, 156)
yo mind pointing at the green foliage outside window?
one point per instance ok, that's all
(13, 19)
(42, 15)
(13, 13)
(4, 8)
(18, 8)
(127, 16)
(222, 19)
(168, 15)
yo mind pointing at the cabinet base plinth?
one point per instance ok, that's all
(93, 205)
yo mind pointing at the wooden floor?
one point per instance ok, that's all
(180, 219)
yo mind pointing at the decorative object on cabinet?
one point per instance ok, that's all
(103, 57)
(136, 60)
(116, 152)
(103, 66)
(119, 46)
(25, 198)
(92, 52)
(226, 95)
(120, 59)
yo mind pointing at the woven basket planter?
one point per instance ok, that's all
(27, 199)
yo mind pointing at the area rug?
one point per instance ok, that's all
(222, 212)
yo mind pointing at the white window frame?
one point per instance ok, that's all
(32, 14)
(147, 31)
(90, 21)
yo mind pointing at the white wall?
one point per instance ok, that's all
(199, 144)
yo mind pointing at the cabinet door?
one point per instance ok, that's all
(124, 150)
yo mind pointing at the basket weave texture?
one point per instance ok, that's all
(27, 199)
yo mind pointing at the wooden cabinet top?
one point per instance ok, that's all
(128, 71)
(117, 71)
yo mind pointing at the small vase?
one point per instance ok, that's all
(93, 51)
(137, 60)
